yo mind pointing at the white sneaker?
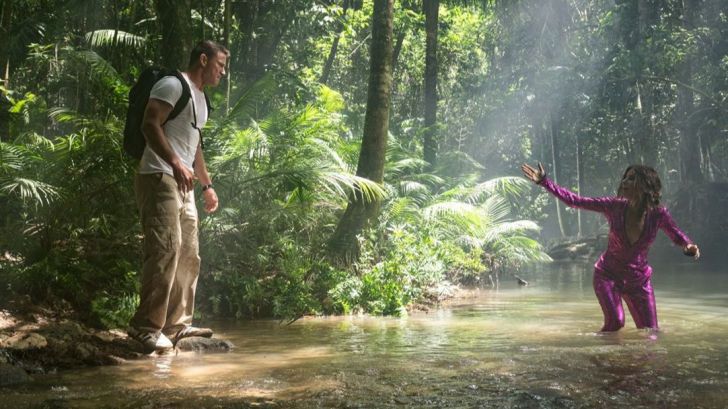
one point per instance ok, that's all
(163, 343)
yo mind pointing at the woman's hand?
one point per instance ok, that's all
(692, 250)
(533, 174)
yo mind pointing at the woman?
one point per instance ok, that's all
(634, 217)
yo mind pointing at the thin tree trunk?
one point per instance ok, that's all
(334, 47)
(554, 148)
(226, 40)
(578, 184)
(431, 8)
(202, 20)
(5, 27)
(175, 21)
(247, 16)
(397, 49)
(344, 245)
(689, 146)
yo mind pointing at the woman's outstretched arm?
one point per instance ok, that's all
(677, 236)
(571, 199)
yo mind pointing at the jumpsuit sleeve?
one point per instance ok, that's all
(571, 199)
(668, 225)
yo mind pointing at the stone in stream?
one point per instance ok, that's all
(12, 375)
(520, 280)
(199, 344)
(25, 341)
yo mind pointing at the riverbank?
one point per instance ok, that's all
(37, 340)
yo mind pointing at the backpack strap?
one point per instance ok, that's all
(207, 102)
(183, 99)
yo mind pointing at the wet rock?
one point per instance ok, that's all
(5, 357)
(55, 403)
(199, 344)
(109, 336)
(12, 375)
(85, 351)
(112, 360)
(68, 331)
(7, 320)
(584, 248)
(25, 341)
(128, 343)
(520, 281)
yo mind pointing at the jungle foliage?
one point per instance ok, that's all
(586, 87)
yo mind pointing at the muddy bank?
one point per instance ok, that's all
(37, 340)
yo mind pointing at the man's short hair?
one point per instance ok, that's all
(207, 47)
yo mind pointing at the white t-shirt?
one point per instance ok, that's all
(183, 138)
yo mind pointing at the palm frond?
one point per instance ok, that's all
(102, 68)
(402, 166)
(331, 100)
(331, 154)
(448, 208)
(402, 208)
(410, 187)
(510, 228)
(198, 17)
(112, 38)
(62, 114)
(518, 249)
(341, 182)
(244, 107)
(495, 209)
(11, 158)
(29, 190)
(504, 186)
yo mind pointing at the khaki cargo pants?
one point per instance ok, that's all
(171, 261)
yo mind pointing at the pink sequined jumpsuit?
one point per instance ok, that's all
(622, 270)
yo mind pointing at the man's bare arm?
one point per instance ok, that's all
(209, 194)
(155, 115)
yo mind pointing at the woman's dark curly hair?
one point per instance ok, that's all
(646, 180)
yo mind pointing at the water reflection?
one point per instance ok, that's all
(163, 365)
(517, 347)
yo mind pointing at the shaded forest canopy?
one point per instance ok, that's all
(473, 90)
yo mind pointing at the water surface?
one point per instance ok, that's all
(515, 347)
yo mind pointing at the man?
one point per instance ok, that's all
(172, 160)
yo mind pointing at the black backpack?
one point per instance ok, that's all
(134, 141)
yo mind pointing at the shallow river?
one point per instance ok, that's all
(515, 347)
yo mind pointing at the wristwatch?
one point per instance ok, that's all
(205, 187)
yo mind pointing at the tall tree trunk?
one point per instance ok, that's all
(175, 18)
(397, 49)
(578, 184)
(633, 26)
(648, 18)
(334, 46)
(554, 149)
(343, 244)
(226, 41)
(203, 34)
(265, 43)
(5, 20)
(431, 8)
(690, 169)
(5, 27)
